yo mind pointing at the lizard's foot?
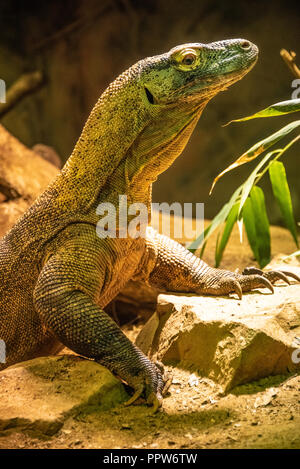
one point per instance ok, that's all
(155, 400)
(272, 275)
(226, 282)
(151, 384)
(223, 282)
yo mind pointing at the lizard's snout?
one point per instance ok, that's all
(248, 47)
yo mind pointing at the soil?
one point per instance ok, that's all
(195, 414)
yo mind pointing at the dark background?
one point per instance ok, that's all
(82, 45)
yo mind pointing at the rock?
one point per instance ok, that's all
(48, 153)
(23, 176)
(265, 398)
(229, 341)
(38, 395)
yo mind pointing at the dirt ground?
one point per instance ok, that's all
(265, 414)
(195, 413)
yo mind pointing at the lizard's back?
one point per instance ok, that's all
(22, 252)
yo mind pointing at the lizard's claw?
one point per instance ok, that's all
(236, 287)
(231, 282)
(135, 396)
(155, 400)
(254, 280)
(228, 282)
(272, 275)
(225, 282)
(243, 283)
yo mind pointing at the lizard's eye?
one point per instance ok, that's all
(185, 59)
(188, 59)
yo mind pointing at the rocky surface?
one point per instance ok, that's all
(224, 339)
(48, 153)
(23, 176)
(38, 395)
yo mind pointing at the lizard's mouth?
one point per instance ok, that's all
(221, 83)
(205, 87)
(202, 88)
(209, 86)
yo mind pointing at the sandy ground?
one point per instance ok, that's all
(265, 414)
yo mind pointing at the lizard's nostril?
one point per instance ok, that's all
(246, 45)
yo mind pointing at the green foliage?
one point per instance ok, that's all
(247, 204)
(259, 148)
(277, 109)
(230, 221)
(260, 222)
(282, 194)
(249, 222)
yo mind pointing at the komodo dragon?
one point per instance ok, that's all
(57, 275)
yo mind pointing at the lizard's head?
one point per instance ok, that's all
(174, 88)
(196, 72)
(146, 116)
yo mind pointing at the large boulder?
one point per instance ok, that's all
(224, 339)
(39, 394)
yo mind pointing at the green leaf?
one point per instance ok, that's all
(249, 221)
(257, 226)
(202, 249)
(255, 177)
(282, 194)
(248, 184)
(262, 226)
(230, 221)
(216, 222)
(258, 148)
(277, 109)
(240, 224)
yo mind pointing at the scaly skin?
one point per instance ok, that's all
(57, 275)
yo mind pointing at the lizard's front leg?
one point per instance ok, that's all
(177, 269)
(65, 299)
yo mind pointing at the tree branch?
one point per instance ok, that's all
(289, 59)
(23, 86)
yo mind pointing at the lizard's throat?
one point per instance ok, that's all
(153, 150)
(156, 149)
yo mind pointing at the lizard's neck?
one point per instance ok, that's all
(123, 148)
(148, 157)
(115, 121)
